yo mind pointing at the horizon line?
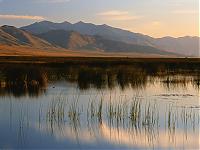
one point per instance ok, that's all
(192, 36)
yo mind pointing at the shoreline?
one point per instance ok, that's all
(75, 59)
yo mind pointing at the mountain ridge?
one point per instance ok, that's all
(75, 40)
(60, 40)
(117, 34)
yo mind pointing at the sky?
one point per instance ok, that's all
(156, 18)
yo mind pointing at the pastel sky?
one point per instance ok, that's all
(157, 18)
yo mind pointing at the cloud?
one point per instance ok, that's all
(116, 15)
(184, 12)
(51, 1)
(48, 1)
(156, 23)
(22, 17)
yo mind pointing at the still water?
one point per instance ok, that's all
(99, 107)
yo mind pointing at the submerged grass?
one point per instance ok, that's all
(56, 110)
(136, 116)
(74, 111)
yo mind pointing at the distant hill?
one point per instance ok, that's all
(184, 45)
(77, 41)
(13, 36)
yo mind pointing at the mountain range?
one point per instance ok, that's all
(95, 38)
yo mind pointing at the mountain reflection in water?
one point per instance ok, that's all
(23, 80)
(32, 80)
(108, 106)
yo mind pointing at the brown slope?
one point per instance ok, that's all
(7, 39)
(10, 35)
(79, 41)
(68, 39)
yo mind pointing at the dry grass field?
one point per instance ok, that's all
(60, 52)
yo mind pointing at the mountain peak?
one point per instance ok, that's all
(65, 22)
(104, 26)
(80, 23)
(8, 27)
(11, 29)
(45, 22)
(50, 22)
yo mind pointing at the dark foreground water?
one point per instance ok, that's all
(99, 107)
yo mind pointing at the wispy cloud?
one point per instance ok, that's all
(156, 23)
(51, 1)
(114, 13)
(22, 17)
(117, 15)
(47, 1)
(184, 12)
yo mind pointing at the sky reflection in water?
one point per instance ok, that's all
(91, 107)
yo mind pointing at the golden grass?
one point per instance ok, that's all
(60, 52)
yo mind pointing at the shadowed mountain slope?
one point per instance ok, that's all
(67, 39)
(185, 45)
(105, 31)
(75, 40)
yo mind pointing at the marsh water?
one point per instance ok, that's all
(136, 106)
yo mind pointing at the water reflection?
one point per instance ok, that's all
(33, 80)
(88, 107)
(135, 123)
(23, 80)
